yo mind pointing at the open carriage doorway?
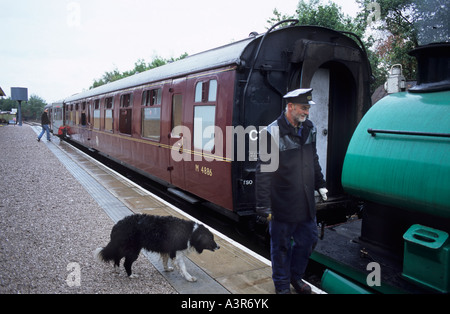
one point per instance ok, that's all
(335, 117)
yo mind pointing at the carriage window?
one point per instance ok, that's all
(204, 122)
(151, 123)
(89, 113)
(125, 101)
(97, 114)
(125, 114)
(212, 91)
(177, 109)
(206, 91)
(109, 114)
(152, 97)
(67, 114)
(151, 114)
(58, 113)
(83, 114)
(199, 92)
(76, 116)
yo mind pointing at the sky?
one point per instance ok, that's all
(57, 48)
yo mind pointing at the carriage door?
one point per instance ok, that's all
(319, 113)
(179, 134)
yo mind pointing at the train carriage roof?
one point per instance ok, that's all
(230, 54)
(214, 58)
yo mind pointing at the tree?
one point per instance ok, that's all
(404, 25)
(7, 104)
(139, 66)
(33, 108)
(396, 32)
(314, 12)
(330, 15)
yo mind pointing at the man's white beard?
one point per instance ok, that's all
(301, 118)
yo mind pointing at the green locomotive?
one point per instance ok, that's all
(397, 167)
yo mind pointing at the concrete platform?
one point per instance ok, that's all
(232, 269)
(50, 227)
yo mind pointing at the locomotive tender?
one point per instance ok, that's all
(193, 124)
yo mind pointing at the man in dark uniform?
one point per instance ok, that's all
(285, 196)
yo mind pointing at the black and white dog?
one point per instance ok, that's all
(168, 236)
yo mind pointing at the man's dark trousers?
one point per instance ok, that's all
(291, 246)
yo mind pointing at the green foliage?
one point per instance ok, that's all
(31, 110)
(402, 26)
(398, 34)
(327, 15)
(139, 66)
(330, 15)
(7, 104)
(314, 12)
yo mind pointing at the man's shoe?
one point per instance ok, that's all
(284, 291)
(301, 287)
(38, 139)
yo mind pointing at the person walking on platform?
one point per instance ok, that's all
(45, 122)
(285, 195)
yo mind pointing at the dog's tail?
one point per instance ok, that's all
(98, 254)
(105, 254)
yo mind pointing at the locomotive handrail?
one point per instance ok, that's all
(373, 133)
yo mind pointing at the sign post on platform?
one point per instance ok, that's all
(20, 94)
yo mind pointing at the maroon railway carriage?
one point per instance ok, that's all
(193, 124)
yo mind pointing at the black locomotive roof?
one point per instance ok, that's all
(214, 58)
